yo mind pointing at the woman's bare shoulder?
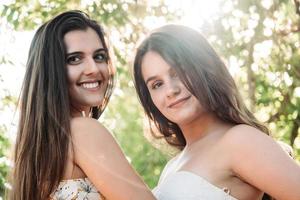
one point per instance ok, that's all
(243, 134)
(88, 132)
(244, 141)
(84, 122)
(260, 161)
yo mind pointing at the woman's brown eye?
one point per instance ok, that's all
(73, 60)
(156, 85)
(101, 57)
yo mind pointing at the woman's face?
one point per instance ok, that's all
(87, 68)
(167, 91)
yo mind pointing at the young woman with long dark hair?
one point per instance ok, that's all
(188, 93)
(62, 151)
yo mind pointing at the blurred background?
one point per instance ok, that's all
(258, 40)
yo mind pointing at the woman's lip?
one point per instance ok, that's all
(178, 101)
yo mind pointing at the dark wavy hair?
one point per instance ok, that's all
(202, 72)
(43, 137)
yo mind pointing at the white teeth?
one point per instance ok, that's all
(90, 85)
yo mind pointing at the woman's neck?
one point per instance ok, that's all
(80, 112)
(202, 127)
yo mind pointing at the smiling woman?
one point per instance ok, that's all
(187, 91)
(87, 69)
(59, 154)
(180, 106)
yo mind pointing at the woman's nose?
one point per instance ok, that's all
(173, 89)
(91, 66)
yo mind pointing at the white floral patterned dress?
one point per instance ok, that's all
(76, 189)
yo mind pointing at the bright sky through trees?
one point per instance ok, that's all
(194, 13)
(258, 40)
(15, 45)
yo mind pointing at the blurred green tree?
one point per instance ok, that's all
(4, 161)
(262, 40)
(258, 39)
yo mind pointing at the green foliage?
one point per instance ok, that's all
(4, 162)
(265, 39)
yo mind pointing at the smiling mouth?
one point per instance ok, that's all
(91, 85)
(178, 102)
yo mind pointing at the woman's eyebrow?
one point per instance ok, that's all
(151, 78)
(101, 49)
(80, 52)
(74, 53)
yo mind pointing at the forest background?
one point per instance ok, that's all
(259, 40)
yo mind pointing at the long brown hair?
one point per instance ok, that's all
(202, 72)
(43, 137)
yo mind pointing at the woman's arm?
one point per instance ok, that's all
(261, 162)
(99, 156)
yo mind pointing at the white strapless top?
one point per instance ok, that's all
(76, 189)
(184, 185)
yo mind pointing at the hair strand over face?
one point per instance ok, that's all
(202, 72)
